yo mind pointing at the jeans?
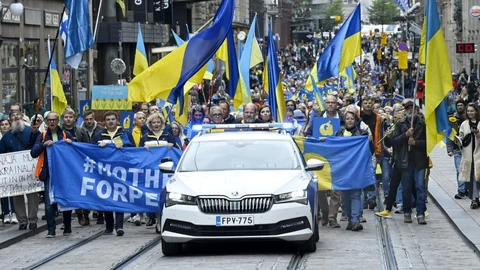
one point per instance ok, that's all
(118, 220)
(352, 204)
(6, 208)
(457, 157)
(414, 178)
(50, 212)
(386, 174)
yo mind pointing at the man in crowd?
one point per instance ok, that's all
(78, 134)
(89, 124)
(331, 111)
(227, 117)
(121, 138)
(250, 114)
(20, 138)
(49, 137)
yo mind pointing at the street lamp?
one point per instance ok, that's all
(15, 8)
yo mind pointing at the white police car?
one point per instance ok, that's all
(233, 186)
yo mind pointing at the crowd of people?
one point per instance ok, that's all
(396, 131)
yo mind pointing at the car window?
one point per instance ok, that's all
(240, 155)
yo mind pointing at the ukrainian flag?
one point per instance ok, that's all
(438, 79)
(350, 76)
(227, 54)
(318, 95)
(342, 170)
(58, 96)
(141, 62)
(251, 56)
(272, 82)
(166, 78)
(314, 73)
(345, 46)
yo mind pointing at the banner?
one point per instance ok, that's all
(127, 120)
(17, 174)
(348, 161)
(324, 127)
(110, 97)
(124, 180)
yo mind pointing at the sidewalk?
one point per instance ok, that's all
(442, 188)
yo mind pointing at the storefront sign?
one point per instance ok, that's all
(52, 19)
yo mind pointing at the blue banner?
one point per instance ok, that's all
(324, 127)
(348, 161)
(124, 180)
(388, 102)
(127, 120)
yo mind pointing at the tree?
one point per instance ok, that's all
(335, 8)
(382, 11)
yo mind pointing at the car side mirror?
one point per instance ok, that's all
(315, 165)
(166, 167)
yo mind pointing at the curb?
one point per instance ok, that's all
(28, 233)
(460, 220)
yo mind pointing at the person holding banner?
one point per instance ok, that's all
(121, 138)
(351, 199)
(158, 136)
(47, 139)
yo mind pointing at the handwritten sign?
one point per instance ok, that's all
(17, 174)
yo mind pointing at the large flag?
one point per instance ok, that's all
(272, 82)
(314, 73)
(345, 46)
(165, 79)
(79, 34)
(59, 101)
(318, 95)
(251, 56)
(342, 170)
(228, 55)
(64, 28)
(141, 62)
(438, 79)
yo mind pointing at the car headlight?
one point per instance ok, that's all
(177, 198)
(299, 196)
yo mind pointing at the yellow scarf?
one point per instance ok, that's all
(137, 135)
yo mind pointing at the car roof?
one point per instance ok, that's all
(241, 135)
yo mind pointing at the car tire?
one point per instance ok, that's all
(311, 244)
(171, 249)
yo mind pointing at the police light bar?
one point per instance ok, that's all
(242, 126)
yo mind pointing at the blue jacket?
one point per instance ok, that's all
(126, 137)
(9, 143)
(165, 136)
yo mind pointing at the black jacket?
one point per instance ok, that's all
(78, 134)
(103, 135)
(399, 141)
(165, 136)
(39, 148)
(229, 120)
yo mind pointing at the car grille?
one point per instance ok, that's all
(226, 206)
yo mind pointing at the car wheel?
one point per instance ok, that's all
(311, 244)
(157, 228)
(171, 249)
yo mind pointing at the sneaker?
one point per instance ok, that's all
(142, 219)
(349, 226)
(151, 222)
(474, 204)
(384, 214)
(362, 219)
(372, 204)
(120, 232)
(357, 227)
(136, 220)
(399, 210)
(459, 195)
(130, 220)
(340, 210)
(421, 220)
(333, 223)
(425, 214)
(67, 231)
(50, 235)
(13, 219)
(32, 226)
(22, 227)
(407, 218)
(6, 219)
(343, 218)
(108, 231)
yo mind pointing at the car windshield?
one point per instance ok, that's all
(240, 155)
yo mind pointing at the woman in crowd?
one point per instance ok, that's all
(8, 209)
(179, 136)
(470, 136)
(265, 114)
(196, 118)
(352, 198)
(296, 127)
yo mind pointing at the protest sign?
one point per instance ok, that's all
(324, 127)
(110, 97)
(124, 180)
(17, 174)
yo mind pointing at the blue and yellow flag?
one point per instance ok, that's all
(342, 170)
(273, 82)
(141, 62)
(58, 96)
(350, 76)
(438, 79)
(166, 78)
(251, 55)
(318, 93)
(314, 73)
(228, 55)
(345, 46)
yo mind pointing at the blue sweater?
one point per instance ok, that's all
(9, 143)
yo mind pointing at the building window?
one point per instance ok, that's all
(9, 52)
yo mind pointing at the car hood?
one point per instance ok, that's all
(236, 184)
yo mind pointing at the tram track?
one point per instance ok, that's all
(388, 260)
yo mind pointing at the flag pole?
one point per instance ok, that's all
(39, 102)
(51, 90)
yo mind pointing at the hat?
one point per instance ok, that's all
(297, 114)
(408, 104)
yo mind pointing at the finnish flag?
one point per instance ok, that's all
(64, 27)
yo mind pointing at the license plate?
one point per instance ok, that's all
(234, 221)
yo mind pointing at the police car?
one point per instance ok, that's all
(237, 186)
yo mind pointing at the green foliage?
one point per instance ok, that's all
(382, 11)
(335, 8)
